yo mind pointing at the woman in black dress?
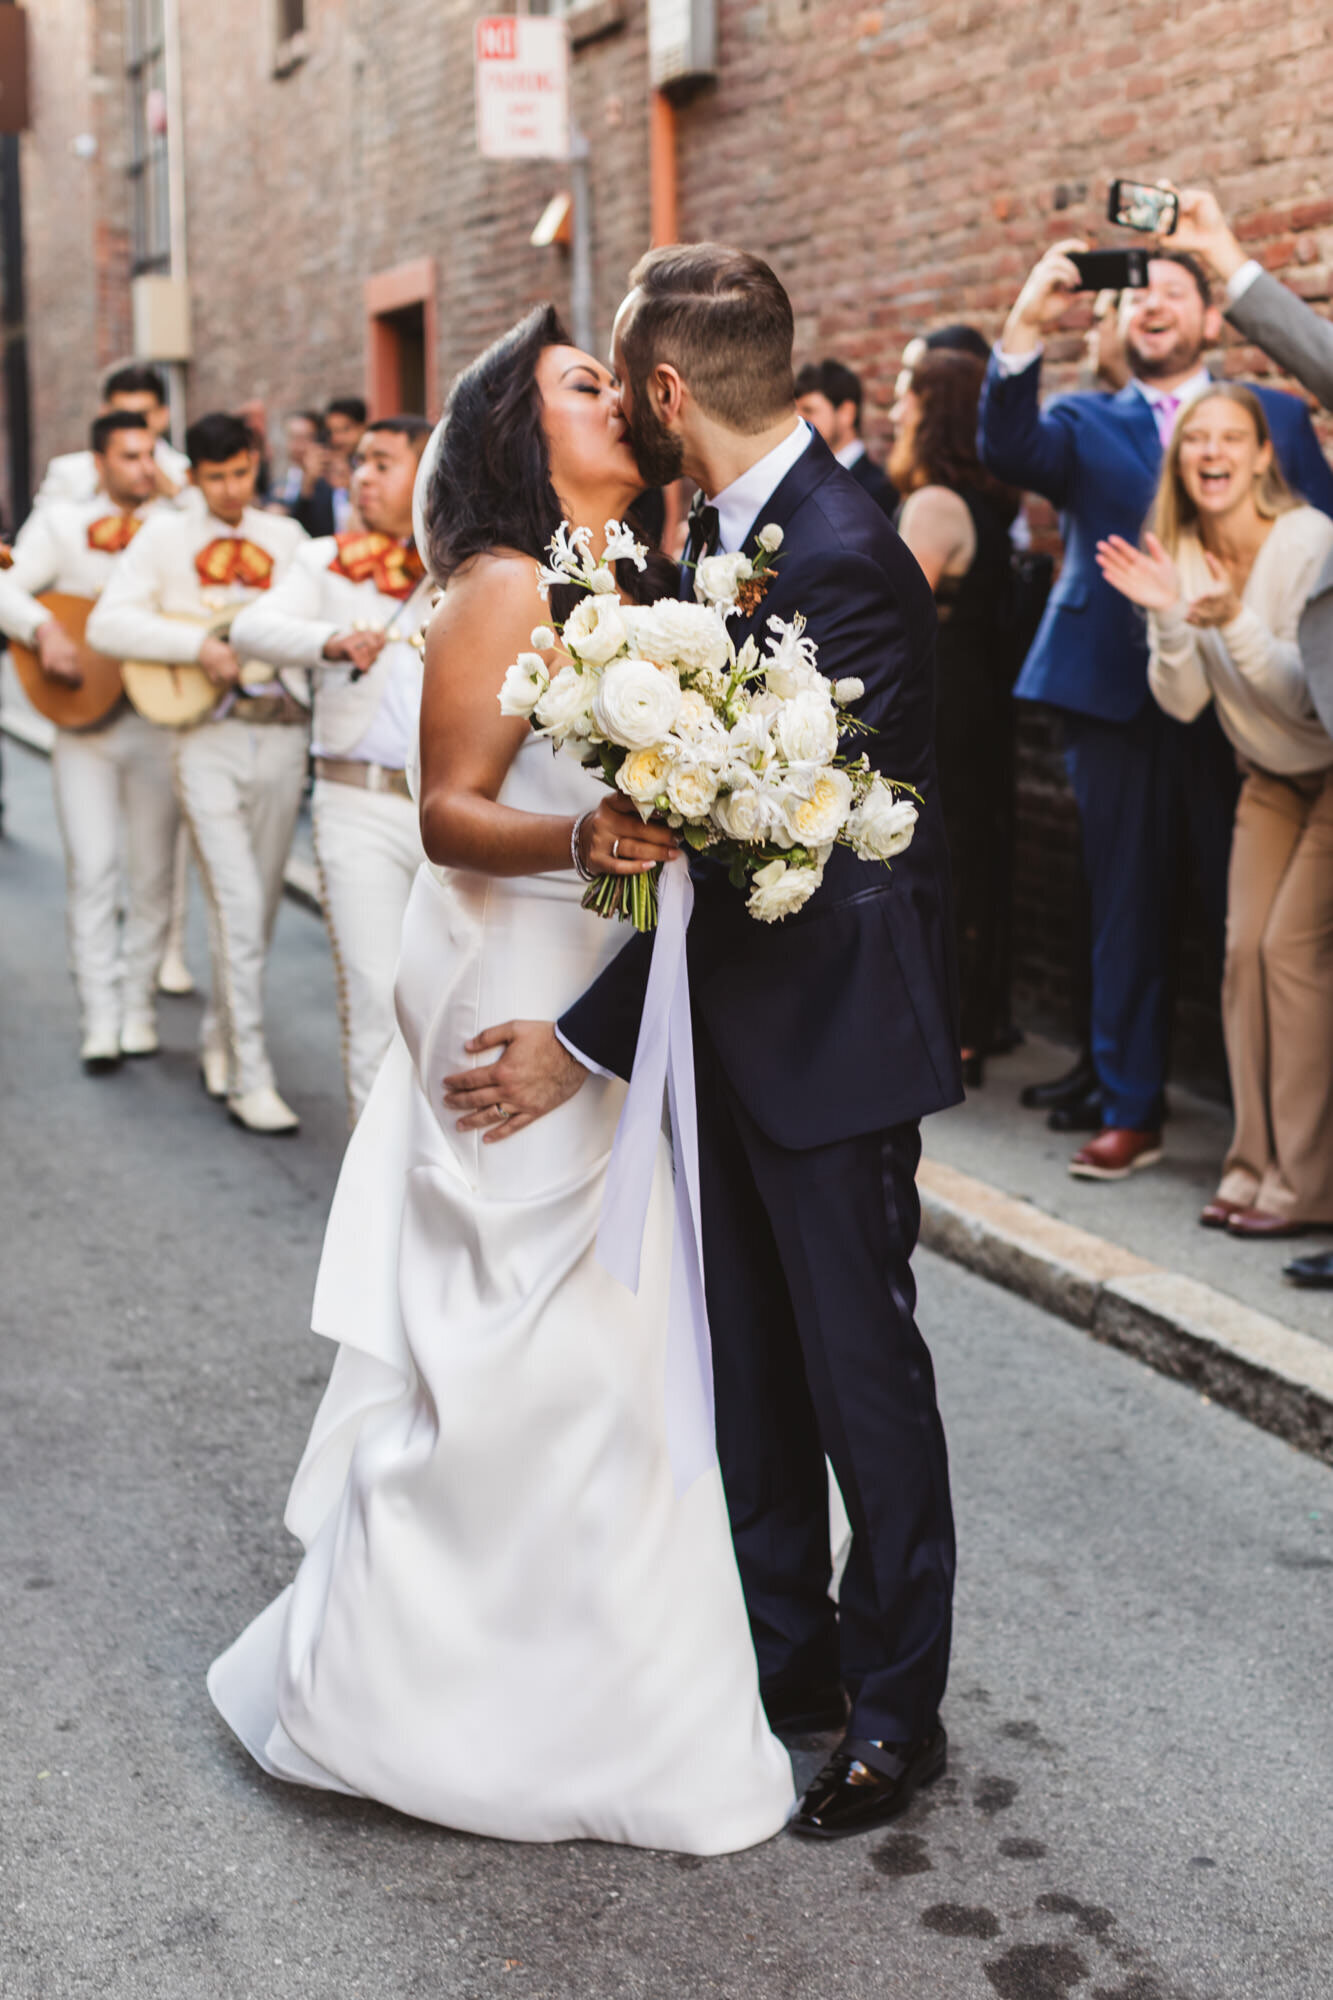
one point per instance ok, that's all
(955, 519)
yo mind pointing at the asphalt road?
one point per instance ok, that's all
(1139, 1798)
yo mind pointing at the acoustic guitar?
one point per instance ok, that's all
(178, 697)
(69, 707)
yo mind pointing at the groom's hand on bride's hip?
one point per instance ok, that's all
(534, 1074)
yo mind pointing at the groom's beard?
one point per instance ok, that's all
(659, 453)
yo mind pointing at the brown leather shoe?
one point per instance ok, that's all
(1259, 1222)
(1115, 1154)
(1218, 1213)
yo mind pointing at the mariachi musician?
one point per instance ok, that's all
(112, 776)
(241, 769)
(351, 610)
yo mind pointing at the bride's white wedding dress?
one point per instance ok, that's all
(506, 1620)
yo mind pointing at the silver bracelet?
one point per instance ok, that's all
(584, 873)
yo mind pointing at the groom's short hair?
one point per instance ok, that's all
(723, 319)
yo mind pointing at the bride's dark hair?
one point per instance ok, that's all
(490, 486)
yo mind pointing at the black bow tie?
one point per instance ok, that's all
(705, 536)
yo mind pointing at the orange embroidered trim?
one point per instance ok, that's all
(233, 559)
(395, 567)
(111, 533)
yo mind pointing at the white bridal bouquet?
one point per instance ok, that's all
(737, 750)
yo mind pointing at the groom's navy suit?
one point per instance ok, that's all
(819, 1044)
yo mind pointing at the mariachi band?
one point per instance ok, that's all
(193, 649)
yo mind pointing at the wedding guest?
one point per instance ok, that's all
(829, 396)
(344, 423)
(240, 772)
(955, 520)
(304, 491)
(1224, 578)
(1142, 781)
(130, 391)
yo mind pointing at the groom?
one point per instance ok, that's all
(820, 1042)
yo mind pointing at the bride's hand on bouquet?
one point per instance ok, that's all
(614, 840)
(534, 1074)
(1146, 576)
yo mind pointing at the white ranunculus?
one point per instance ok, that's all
(542, 639)
(850, 689)
(674, 634)
(524, 685)
(596, 630)
(636, 703)
(806, 729)
(746, 814)
(882, 825)
(817, 818)
(691, 787)
(778, 890)
(770, 538)
(717, 578)
(567, 701)
(643, 775)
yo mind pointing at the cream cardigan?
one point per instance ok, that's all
(1252, 667)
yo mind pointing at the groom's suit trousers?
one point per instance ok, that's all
(815, 1350)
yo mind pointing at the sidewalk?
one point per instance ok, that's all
(1127, 1260)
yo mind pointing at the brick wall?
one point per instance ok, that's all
(901, 166)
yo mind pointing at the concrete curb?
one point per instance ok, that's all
(300, 881)
(1278, 1378)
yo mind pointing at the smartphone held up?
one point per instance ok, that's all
(1152, 210)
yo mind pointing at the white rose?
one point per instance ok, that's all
(674, 634)
(848, 690)
(692, 787)
(566, 702)
(882, 825)
(746, 814)
(596, 630)
(717, 578)
(524, 685)
(770, 538)
(542, 639)
(643, 775)
(806, 729)
(817, 818)
(636, 703)
(778, 891)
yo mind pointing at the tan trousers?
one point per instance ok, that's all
(239, 786)
(1277, 997)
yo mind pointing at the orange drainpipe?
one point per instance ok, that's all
(662, 170)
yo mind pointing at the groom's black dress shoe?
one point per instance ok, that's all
(1061, 1090)
(1315, 1271)
(808, 1710)
(866, 1784)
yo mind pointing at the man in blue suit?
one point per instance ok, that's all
(1141, 781)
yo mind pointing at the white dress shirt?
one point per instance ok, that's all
(851, 454)
(740, 505)
(51, 552)
(373, 719)
(1240, 281)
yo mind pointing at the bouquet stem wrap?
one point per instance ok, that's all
(664, 1061)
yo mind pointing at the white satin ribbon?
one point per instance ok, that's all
(664, 1061)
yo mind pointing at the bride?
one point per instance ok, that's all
(508, 1619)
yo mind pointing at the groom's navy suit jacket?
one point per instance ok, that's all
(840, 1020)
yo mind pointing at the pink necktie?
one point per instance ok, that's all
(1164, 409)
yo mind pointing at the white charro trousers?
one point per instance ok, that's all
(368, 849)
(115, 802)
(239, 786)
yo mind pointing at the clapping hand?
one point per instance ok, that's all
(1216, 607)
(1146, 576)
